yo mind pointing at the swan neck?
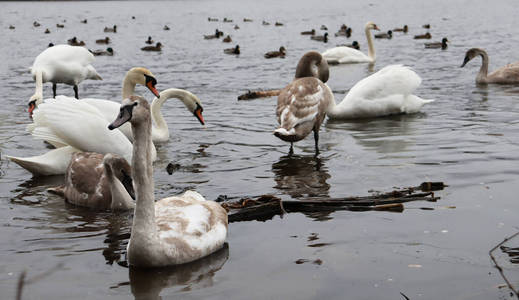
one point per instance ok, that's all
(128, 87)
(121, 200)
(144, 218)
(371, 48)
(38, 77)
(483, 71)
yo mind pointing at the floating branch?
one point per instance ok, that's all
(499, 268)
(266, 206)
(258, 94)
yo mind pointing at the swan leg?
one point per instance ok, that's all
(316, 138)
(54, 89)
(291, 151)
(75, 92)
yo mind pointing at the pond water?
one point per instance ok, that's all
(468, 138)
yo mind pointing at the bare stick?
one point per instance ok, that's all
(259, 94)
(19, 286)
(499, 267)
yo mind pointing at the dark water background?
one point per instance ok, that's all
(468, 138)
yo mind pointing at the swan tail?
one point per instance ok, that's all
(57, 190)
(92, 74)
(31, 164)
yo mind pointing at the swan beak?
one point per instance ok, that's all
(150, 86)
(32, 106)
(376, 28)
(465, 61)
(125, 114)
(198, 114)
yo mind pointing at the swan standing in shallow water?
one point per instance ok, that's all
(508, 74)
(98, 181)
(386, 92)
(302, 104)
(62, 64)
(173, 230)
(346, 55)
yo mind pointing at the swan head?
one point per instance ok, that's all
(371, 26)
(135, 110)
(121, 169)
(34, 101)
(144, 77)
(312, 64)
(471, 53)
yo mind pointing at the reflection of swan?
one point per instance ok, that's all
(148, 283)
(301, 176)
(62, 64)
(346, 55)
(98, 181)
(508, 74)
(387, 92)
(160, 131)
(302, 104)
(173, 230)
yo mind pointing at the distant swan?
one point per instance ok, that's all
(386, 92)
(62, 64)
(173, 230)
(302, 104)
(508, 74)
(346, 55)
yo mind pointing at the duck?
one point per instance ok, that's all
(225, 20)
(354, 45)
(386, 92)
(157, 47)
(320, 38)
(404, 29)
(347, 55)
(173, 230)
(344, 32)
(386, 35)
(247, 20)
(212, 19)
(11, 27)
(236, 27)
(149, 41)
(278, 24)
(426, 26)
(166, 27)
(281, 53)
(310, 32)
(265, 23)
(235, 50)
(106, 40)
(216, 35)
(74, 42)
(84, 21)
(90, 178)
(427, 35)
(108, 52)
(508, 74)
(227, 39)
(442, 44)
(35, 24)
(61, 64)
(113, 29)
(302, 104)
(60, 25)
(47, 31)
(323, 27)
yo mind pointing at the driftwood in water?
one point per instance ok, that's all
(258, 94)
(267, 206)
(498, 267)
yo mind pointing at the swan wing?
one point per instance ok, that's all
(190, 227)
(110, 110)
(509, 73)
(81, 126)
(345, 54)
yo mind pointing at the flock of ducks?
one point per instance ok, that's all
(106, 149)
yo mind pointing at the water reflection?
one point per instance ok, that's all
(301, 176)
(148, 283)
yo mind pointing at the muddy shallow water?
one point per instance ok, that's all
(468, 138)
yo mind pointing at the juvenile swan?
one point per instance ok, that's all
(173, 230)
(302, 104)
(508, 74)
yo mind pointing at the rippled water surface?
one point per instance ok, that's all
(468, 138)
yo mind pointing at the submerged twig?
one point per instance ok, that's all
(499, 268)
(22, 281)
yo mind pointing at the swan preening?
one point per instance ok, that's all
(508, 74)
(173, 230)
(303, 103)
(100, 181)
(346, 55)
(61, 64)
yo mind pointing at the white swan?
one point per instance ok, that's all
(101, 181)
(62, 64)
(386, 92)
(347, 55)
(160, 131)
(302, 104)
(173, 230)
